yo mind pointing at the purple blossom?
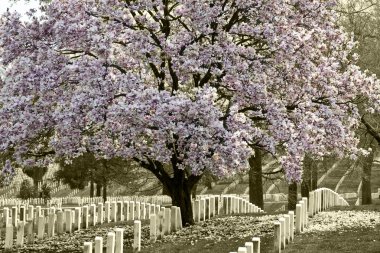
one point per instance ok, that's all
(125, 80)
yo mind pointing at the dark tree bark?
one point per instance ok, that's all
(305, 189)
(314, 178)
(35, 185)
(180, 191)
(165, 190)
(179, 186)
(92, 188)
(98, 190)
(373, 132)
(194, 191)
(255, 179)
(306, 177)
(292, 196)
(104, 190)
(181, 197)
(36, 173)
(366, 178)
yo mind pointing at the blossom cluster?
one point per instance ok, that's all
(191, 82)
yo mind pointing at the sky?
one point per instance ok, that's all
(20, 6)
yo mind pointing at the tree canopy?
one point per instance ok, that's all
(194, 84)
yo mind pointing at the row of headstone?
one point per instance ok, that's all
(12, 191)
(238, 205)
(166, 221)
(250, 247)
(283, 231)
(32, 201)
(159, 200)
(323, 198)
(72, 193)
(319, 200)
(51, 221)
(58, 187)
(204, 207)
(114, 243)
(277, 197)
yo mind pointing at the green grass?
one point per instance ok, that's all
(333, 178)
(206, 246)
(361, 240)
(351, 182)
(366, 240)
(238, 189)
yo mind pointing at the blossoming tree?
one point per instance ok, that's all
(180, 86)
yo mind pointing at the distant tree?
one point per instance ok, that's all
(36, 174)
(86, 169)
(367, 163)
(362, 18)
(27, 190)
(45, 192)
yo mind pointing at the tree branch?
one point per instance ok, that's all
(371, 130)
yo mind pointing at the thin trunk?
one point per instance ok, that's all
(35, 185)
(292, 196)
(306, 177)
(98, 190)
(92, 188)
(305, 189)
(314, 178)
(256, 180)
(194, 191)
(366, 179)
(208, 181)
(104, 190)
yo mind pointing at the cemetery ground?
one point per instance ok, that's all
(227, 233)
(355, 240)
(215, 235)
(338, 229)
(351, 229)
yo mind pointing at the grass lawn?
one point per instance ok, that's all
(205, 246)
(360, 239)
(364, 240)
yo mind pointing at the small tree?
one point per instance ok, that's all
(36, 173)
(27, 190)
(45, 192)
(87, 169)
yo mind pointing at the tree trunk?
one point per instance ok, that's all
(292, 196)
(98, 190)
(366, 179)
(255, 179)
(92, 188)
(35, 185)
(306, 177)
(194, 191)
(165, 190)
(314, 178)
(179, 186)
(104, 191)
(305, 189)
(181, 197)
